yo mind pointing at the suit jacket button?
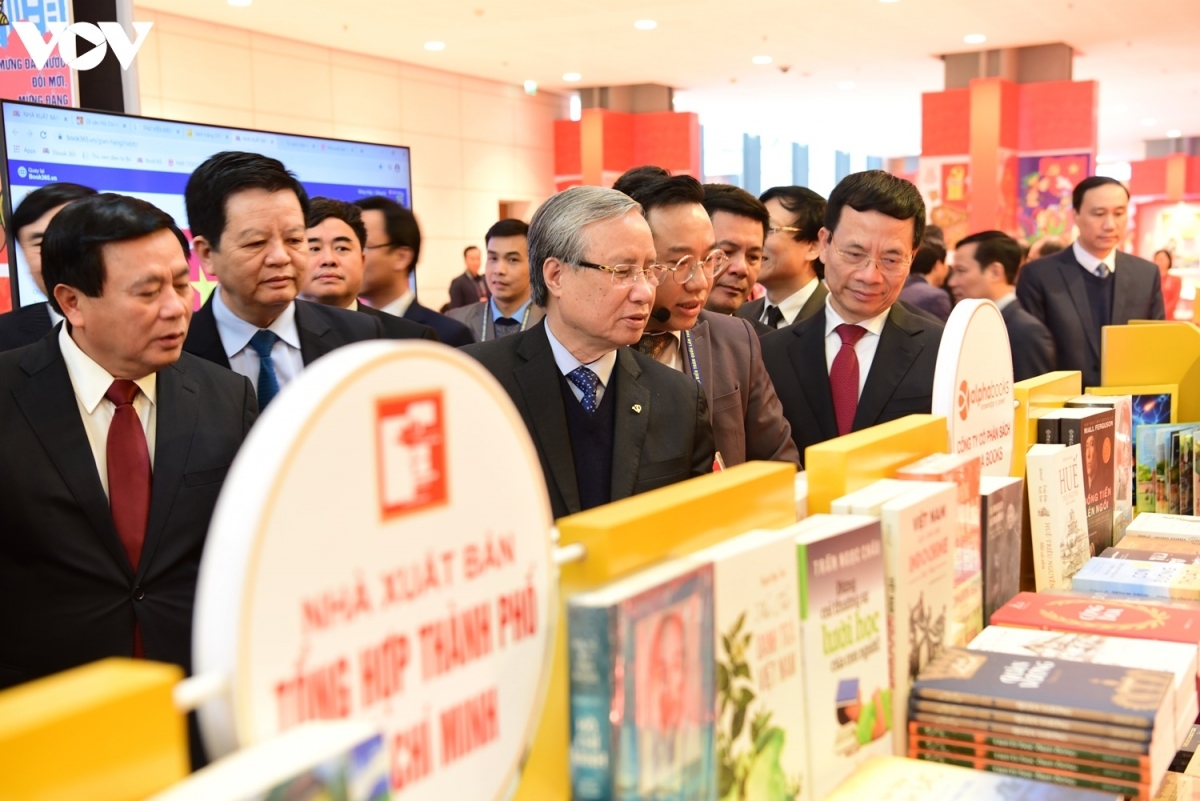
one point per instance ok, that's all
(138, 593)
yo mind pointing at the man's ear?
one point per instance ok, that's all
(404, 259)
(552, 273)
(824, 244)
(995, 272)
(814, 251)
(70, 300)
(204, 253)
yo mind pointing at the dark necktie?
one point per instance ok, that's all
(268, 381)
(774, 316)
(843, 377)
(1102, 271)
(587, 381)
(128, 460)
(505, 326)
(654, 345)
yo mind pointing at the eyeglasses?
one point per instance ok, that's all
(380, 245)
(783, 229)
(686, 268)
(629, 274)
(857, 259)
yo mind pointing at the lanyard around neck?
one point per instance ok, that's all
(488, 316)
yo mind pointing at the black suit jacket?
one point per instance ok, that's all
(753, 310)
(1031, 343)
(450, 332)
(1052, 290)
(465, 290)
(662, 431)
(24, 326)
(900, 382)
(68, 593)
(397, 327)
(322, 329)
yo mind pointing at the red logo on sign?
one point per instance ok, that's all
(410, 447)
(964, 400)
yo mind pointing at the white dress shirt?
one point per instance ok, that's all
(400, 305)
(1002, 304)
(864, 349)
(235, 336)
(602, 367)
(90, 381)
(1090, 262)
(672, 355)
(792, 304)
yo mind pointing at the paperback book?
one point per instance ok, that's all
(1000, 517)
(1058, 514)
(974, 738)
(1151, 556)
(1164, 526)
(1151, 464)
(1030, 733)
(1128, 577)
(1028, 759)
(1123, 482)
(1140, 792)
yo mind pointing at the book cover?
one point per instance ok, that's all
(1093, 429)
(1031, 733)
(1140, 792)
(1000, 518)
(964, 471)
(869, 499)
(1186, 443)
(1067, 725)
(1057, 513)
(1151, 464)
(1178, 548)
(1151, 579)
(1030, 759)
(1119, 618)
(1166, 467)
(974, 737)
(1164, 526)
(843, 621)
(1124, 485)
(899, 779)
(641, 660)
(1047, 427)
(919, 528)
(801, 487)
(761, 740)
(1151, 556)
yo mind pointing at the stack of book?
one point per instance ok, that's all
(1092, 726)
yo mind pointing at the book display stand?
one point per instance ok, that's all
(1154, 353)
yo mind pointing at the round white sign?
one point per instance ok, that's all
(382, 549)
(973, 385)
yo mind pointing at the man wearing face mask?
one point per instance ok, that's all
(722, 353)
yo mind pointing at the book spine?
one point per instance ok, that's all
(591, 643)
(1032, 732)
(1030, 760)
(1137, 791)
(970, 738)
(1070, 431)
(944, 705)
(1047, 430)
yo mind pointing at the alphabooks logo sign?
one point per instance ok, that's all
(964, 401)
(101, 35)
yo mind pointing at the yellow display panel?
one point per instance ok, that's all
(1163, 353)
(1034, 397)
(107, 731)
(1144, 389)
(631, 534)
(848, 463)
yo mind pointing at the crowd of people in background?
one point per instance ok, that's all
(646, 333)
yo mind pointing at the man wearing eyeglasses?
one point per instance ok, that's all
(720, 352)
(740, 222)
(607, 421)
(863, 359)
(791, 268)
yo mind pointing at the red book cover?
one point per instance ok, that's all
(1141, 621)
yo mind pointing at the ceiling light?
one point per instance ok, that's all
(645, 24)
(1174, 133)
(240, 2)
(435, 47)
(531, 87)
(974, 38)
(1149, 122)
(572, 77)
(761, 60)
(845, 84)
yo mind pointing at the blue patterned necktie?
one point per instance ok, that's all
(268, 382)
(587, 381)
(1102, 271)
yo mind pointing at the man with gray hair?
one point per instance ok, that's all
(608, 422)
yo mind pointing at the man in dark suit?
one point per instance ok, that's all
(393, 249)
(1091, 284)
(509, 309)
(926, 275)
(32, 321)
(791, 268)
(721, 352)
(336, 238)
(246, 212)
(985, 266)
(863, 359)
(469, 286)
(607, 421)
(116, 446)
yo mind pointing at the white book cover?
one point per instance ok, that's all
(1168, 527)
(919, 527)
(1177, 657)
(801, 495)
(843, 613)
(761, 730)
(867, 500)
(1057, 514)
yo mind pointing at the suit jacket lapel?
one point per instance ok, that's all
(47, 399)
(815, 301)
(895, 355)
(175, 422)
(1071, 272)
(808, 357)
(1124, 290)
(203, 338)
(703, 347)
(630, 427)
(316, 337)
(537, 376)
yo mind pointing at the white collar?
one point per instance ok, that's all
(90, 380)
(566, 362)
(55, 317)
(1090, 262)
(1007, 299)
(236, 332)
(793, 303)
(400, 305)
(833, 319)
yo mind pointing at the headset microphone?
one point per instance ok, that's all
(661, 314)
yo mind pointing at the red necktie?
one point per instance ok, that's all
(843, 377)
(128, 476)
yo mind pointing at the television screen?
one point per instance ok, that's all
(152, 159)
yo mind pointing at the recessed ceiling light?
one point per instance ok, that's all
(974, 38)
(531, 87)
(240, 2)
(761, 59)
(1149, 122)
(435, 46)
(572, 77)
(645, 24)
(1174, 133)
(845, 84)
